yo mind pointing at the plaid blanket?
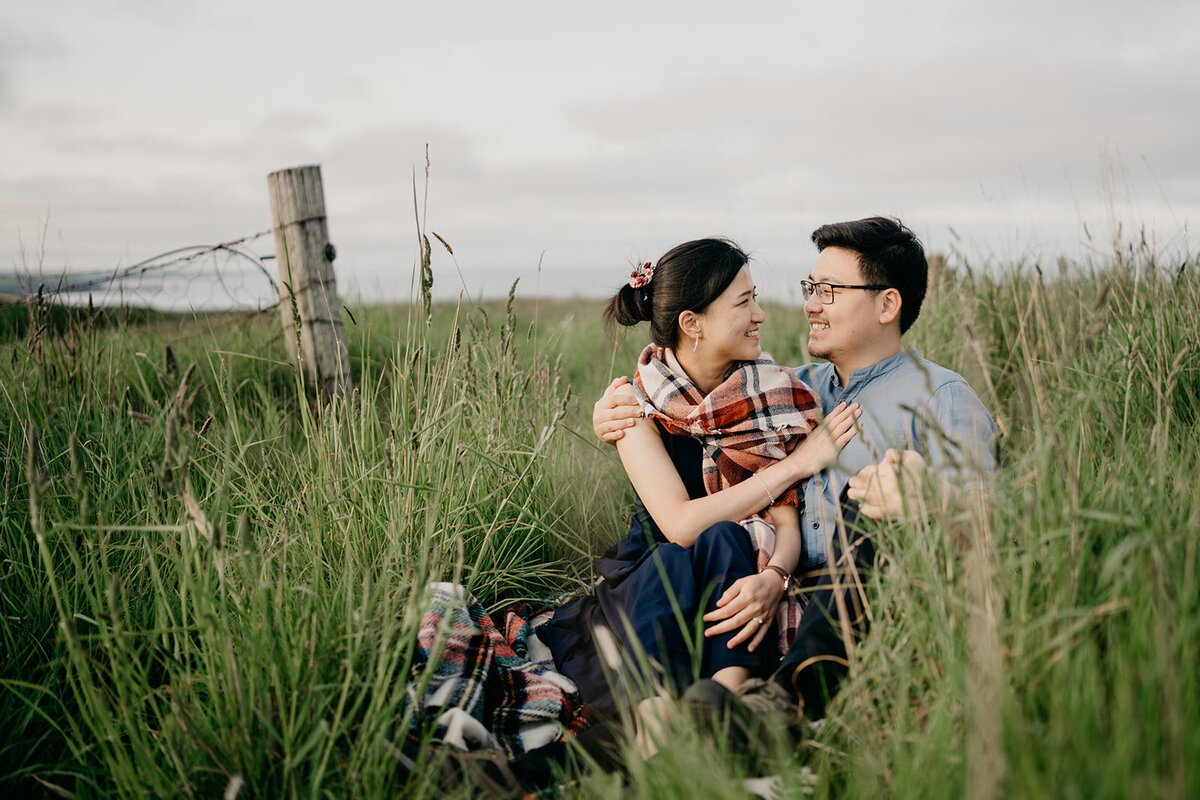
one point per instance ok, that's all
(758, 414)
(487, 688)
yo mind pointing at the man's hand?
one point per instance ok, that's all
(613, 413)
(882, 490)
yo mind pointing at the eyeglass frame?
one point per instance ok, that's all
(808, 287)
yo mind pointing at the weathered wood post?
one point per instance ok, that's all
(307, 285)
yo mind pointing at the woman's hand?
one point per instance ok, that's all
(750, 604)
(825, 442)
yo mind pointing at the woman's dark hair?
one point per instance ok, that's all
(687, 278)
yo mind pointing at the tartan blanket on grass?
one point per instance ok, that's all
(488, 688)
(755, 417)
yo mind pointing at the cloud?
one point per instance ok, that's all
(960, 121)
(969, 142)
(24, 40)
(104, 223)
(590, 149)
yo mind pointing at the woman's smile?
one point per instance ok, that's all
(735, 309)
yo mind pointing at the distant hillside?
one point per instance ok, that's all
(16, 316)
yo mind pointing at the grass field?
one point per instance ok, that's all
(207, 580)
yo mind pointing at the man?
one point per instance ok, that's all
(864, 293)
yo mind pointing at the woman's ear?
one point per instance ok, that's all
(889, 306)
(689, 324)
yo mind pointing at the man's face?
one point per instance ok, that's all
(846, 327)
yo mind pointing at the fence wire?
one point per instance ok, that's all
(227, 276)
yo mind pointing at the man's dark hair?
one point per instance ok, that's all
(889, 254)
(688, 277)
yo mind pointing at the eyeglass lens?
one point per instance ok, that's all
(823, 291)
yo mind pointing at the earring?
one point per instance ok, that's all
(697, 344)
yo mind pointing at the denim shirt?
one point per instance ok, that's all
(907, 403)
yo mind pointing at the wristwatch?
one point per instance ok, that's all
(783, 574)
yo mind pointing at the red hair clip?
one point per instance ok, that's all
(641, 276)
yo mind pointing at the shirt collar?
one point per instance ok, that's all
(867, 374)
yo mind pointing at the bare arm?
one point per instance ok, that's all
(681, 518)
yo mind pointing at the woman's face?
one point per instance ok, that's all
(729, 326)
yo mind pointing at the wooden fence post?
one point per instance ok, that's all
(307, 286)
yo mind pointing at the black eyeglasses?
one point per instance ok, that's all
(824, 291)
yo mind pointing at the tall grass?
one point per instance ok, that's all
(1081, 571)
(211, 580)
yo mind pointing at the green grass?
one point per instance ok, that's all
(205, 574)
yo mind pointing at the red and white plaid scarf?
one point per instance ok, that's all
(756, 416)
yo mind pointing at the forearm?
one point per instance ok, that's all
(686, 520)
(681, 518)
(788, 542)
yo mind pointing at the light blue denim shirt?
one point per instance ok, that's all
(907, 403)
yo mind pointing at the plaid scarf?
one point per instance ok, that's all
(487, 687)
(755, 417)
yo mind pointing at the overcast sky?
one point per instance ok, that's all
(584, 137)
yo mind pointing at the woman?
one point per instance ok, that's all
(716, 412)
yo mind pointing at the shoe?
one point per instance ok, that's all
(771, 703)
(753, 715)
(707, 699)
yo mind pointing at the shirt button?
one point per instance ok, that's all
(816, 526)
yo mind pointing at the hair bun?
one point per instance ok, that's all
(630, 306)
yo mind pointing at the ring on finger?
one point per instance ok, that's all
(759, 620)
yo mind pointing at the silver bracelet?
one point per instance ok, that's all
(770, 496)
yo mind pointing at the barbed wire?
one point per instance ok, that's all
(223, 276)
